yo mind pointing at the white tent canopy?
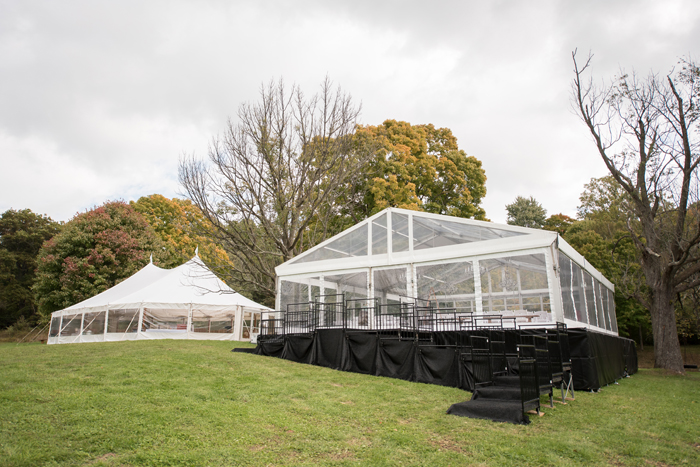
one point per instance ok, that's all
(187, 302)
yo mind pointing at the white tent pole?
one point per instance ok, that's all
(104, 334)
(370, 294)
(237, 331)
(571, 289)
(556, 303)
(80, 334)
(189, 319)
(369, 238)
(479, 307)
(140, 324)
(596, 292)
(278, 293)
(585, 299)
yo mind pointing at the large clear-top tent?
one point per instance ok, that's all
(525, 277)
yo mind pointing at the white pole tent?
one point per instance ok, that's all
(186, 302)
(529, 277)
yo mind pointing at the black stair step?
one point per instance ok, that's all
(498, 411)
(511, 381)
(497, 393)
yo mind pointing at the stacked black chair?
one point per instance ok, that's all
(555, 361)
(544, 369)
(529, 382)
(497, 346)
(568, 379)
(481, 361)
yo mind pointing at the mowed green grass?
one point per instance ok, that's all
(196, 403)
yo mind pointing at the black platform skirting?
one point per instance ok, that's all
(597, 359)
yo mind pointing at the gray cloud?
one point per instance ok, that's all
(99, 100)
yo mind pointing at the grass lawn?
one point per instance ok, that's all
(196, 403)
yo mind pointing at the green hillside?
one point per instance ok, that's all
(172, 403)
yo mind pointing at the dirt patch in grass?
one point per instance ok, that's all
(446, 444)
(103, 458)
(341, 456)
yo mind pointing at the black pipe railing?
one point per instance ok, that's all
(407, 317)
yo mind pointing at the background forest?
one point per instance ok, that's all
(46, 266)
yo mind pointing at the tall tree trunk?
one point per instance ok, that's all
(667, 349)
(653, 124)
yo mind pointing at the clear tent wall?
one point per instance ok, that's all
(147, 322)
(525, 276)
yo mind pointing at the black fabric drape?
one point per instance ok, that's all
(466, 374)
(630, 349)
(437, 365)
(329, 348)
(395, 359)
(271, 348)
(597, 359)
(361, 352)
(299, 348)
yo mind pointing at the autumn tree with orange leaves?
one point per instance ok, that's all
(182, 228)
(418, 167)
(94, 251)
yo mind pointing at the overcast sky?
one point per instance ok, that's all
(99, 100)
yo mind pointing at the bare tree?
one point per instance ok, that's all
(277, 178)
(646, 131)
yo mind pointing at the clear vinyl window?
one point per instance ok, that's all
(516, 287)
(94, 323)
